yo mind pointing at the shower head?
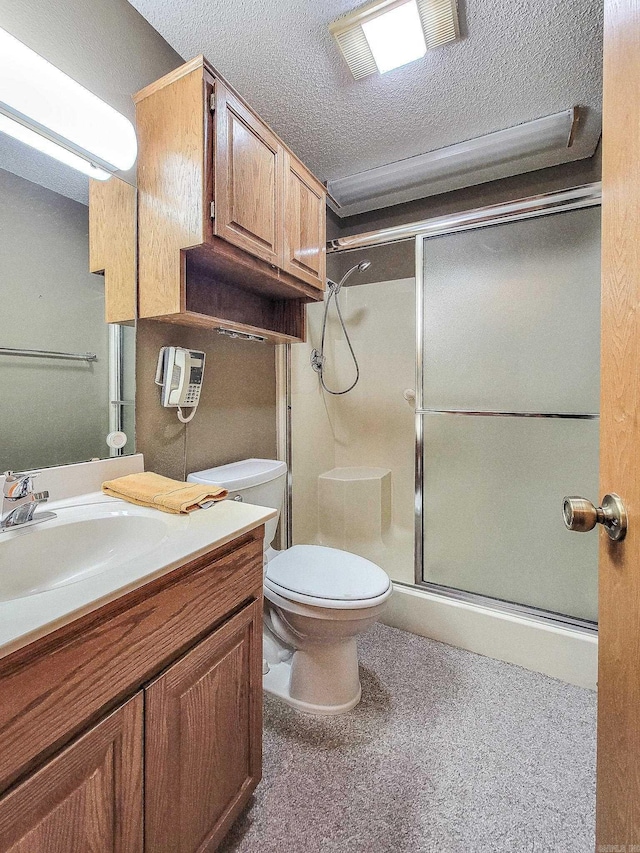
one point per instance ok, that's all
(361, 267)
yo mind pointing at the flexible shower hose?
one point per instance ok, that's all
(333, 293)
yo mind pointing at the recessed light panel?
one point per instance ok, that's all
(395, 37)
(386, 34)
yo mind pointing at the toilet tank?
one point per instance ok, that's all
(255, 481)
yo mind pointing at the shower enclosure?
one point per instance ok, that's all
(476, 411)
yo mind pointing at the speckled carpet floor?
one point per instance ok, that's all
(448, 752)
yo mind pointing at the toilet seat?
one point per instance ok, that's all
(327, 577)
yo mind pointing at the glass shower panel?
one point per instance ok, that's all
(511, 324)
(492, 509)
(512, 316)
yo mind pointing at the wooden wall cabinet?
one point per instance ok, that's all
(173, 765)
(247, 179)
(112, 245)
(305, 224)
(231, 226)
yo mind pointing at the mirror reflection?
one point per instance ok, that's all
(66, 375)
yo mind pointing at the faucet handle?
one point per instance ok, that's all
(18, 486)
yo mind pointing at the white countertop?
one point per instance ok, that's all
(25, 619)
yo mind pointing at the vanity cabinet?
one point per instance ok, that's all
(201, 758)
(139, 726)
(231, 225)
(87, 798)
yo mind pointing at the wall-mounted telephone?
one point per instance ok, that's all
(180, 372)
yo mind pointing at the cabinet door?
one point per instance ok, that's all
(247, 179)
(305, 224)
(203, 738)
(88, 798)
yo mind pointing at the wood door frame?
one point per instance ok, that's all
(618, 762)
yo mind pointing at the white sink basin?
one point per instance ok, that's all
(97, 549)
(80, 543)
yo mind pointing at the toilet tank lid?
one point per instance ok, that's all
(242, 474)
(327, 573)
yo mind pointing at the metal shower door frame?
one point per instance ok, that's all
(589, 195)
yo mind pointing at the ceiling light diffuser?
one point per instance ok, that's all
(386, 34)
(395, 37)
(43, 107)
(469, 159)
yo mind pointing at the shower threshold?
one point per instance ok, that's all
(502, 606)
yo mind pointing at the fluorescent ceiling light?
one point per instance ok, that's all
(41, 143)
(43, 107)
(395, 37)
(386, 34)
(554, 132)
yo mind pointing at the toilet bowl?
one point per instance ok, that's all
(317, 601)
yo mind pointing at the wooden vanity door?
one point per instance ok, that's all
(247, 179)
(305, 226)
(88, 798)
(203, 738)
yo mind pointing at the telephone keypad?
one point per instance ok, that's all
(193, 394)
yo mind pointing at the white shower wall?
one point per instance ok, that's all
(370, 429)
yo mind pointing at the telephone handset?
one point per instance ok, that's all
(180, 372)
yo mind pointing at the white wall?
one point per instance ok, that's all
(371, 426)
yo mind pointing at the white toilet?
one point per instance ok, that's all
(317, 601)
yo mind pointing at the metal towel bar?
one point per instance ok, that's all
(42, 353)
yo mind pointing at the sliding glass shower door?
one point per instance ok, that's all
(508, 409)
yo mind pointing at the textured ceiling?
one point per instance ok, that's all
(517, 61)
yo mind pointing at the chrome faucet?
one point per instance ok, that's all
(20, 501)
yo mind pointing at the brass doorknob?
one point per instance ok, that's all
(581, 515)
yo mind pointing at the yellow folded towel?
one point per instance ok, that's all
(148, 489)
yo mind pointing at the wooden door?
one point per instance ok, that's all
(304, 224)
(247, 179)
(203, 738)
(88, 798)
(618, 773)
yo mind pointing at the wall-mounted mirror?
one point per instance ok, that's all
(67, 377)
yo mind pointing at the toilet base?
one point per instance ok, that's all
(311, 651)
(277, 682)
